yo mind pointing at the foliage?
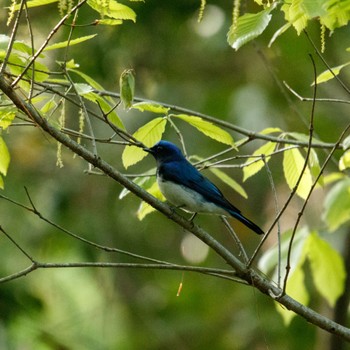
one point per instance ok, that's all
(44, 87)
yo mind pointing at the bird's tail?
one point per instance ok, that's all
(247, 222)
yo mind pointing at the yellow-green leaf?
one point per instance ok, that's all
(253, 165)
(327, 268)
(328, 75)
(63, 44)
(207, 128)
(337, 205)
(1, 182)
(113, 9)
(109, 22)
(7, 114)
(293, 163)
(127, 87)
(149, 134)
(344, 162)
(105, 106)
(297, 290)
(4, 157)
(150, 107)
(229, 181)
(145, 208)
(268, 131)
(34, 3)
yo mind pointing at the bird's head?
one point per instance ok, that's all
(165, 151)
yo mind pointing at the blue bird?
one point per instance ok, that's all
(185, 187)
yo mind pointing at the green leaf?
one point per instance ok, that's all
(109, 22)
(150, 107)
(82, 88)
(253, 165)
(327, 268)
(105, 106)
(63, 44)
(297, 290)
(113, 9)
(295, 14)
(7, 114)
(279, 32)
(229, 181)
(293, 163)
(127, 87)
(1, 183)
(248, 27)
(337, 205)
(142, 181)
(145, 208)
(4, 157)
(207, 128)
(149, 134)
(269, 131)
(35, 3)
(328, 75)
(344, 161)
(48, 106)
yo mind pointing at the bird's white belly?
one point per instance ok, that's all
(186, 199)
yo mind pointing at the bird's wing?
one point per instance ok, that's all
(185, 174)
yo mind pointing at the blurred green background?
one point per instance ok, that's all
(182, 62)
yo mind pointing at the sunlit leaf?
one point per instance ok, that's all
(327, 267)
(293, 163)
(145, 208)
(2, 186)
(103, 104)
(7, 114)
(63, 44)
(295, 14)
(344, 161)
(48, 106)
(127, 87)
(271, 130)
(4, 157)
(142, 181)
(113, 9)
(82, 88)
(149, 134)
(337, 205)
(248, 27)
(328, 75)
(109, 22)
(35, 3)
(297, 290)
(150, 107)
(252, 165)
(333, 177)
(207, 128)
(229, 181)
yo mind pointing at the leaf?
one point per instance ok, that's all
(253, 165)
(82, 88)
(149, 134)
(35, 3)
(279, 32)
(329, 74)
(48, 106)
(113, 9)
(7, 114)
(150, 107)
(268, 131)
(248, 27)
(109, 22)
(4, 157)
(63, 44)
(293, 163)
(295, 14)
(297, 290)
(145, 208)
(229, 181)
(207, 128)
(105, 106)
(337, 205)
(344, 161)
(1, 183)
(327, 267)
(142, 181)
(127, 87)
